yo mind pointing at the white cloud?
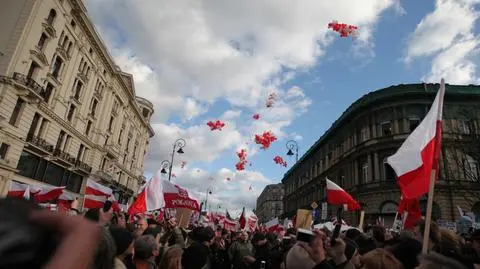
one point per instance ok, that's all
(187, 54)
(447, 34)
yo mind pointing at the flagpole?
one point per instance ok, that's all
(428, 217)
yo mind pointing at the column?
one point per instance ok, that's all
(377, 166)
(395, 121)
(370, 177)
(355, 172)
(374, 127)
(406, 126)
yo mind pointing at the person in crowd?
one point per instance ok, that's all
(239, 249)
(106, 250)
(297, 257)
(261, 252)
(437, 261)
(219, 251)
(434, 236)
(197, 255)
(173, 235)
(119, 220)
(172, 259)
(146, 249)
(473, 250)
(406, 250)
(140, 227)
(124, 244)
(352, 254)
(275, 249)
(380, 259)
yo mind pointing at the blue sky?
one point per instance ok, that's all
(182, 59)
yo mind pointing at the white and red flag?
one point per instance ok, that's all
(97, 189)
(418, 156)
(273, 225)
(150, 199)
(42, 194)
(17, 189)
(96, 195)
(338, 196)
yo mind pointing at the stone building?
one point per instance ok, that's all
(270, 203)
(67, 112)
(353, 153)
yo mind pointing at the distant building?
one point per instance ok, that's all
(67, 112)
(270, 203)
(353, 153)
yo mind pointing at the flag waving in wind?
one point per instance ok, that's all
(338, 196)
(418, 156)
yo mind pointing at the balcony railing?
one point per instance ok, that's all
(64, 156)
(29, 83)
(104, 175)
(83, 166)
(40, 142)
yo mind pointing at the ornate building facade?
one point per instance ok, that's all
(353, 153)
(270, 203)
(67, 112)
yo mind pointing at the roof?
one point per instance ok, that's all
(377, 95)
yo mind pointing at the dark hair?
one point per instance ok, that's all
(93, 214)
(202, 234)
(352, 233)
(291, 231)
(434, 234)
(407, 251)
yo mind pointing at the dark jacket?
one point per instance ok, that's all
(196, 256)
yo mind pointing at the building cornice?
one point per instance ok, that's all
(397, 91)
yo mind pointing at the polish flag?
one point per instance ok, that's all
(17, 189)
(338, 196)
(273, 225)
(412, 209)
(150, 199)
(43, 194)
(94, 201)
(418, 156)
(97, 189)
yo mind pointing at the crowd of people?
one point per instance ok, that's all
(107, 240)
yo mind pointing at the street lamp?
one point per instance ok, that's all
(178, 148)
(207, 192)
(292, 146)
(165, 164)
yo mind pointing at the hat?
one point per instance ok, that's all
(258, 237)
(122, 237)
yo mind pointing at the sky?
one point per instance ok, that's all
(202, 60)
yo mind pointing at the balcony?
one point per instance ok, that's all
(104, 175)
(40, 144)
(48, 27)
(83, 77)
(64, 157)
(63, 53)
(26, 83)
(83, 167)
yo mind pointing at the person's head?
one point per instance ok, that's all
(225, 235)
(142, 224)
(106, 251)
(475, 238)
(352, 233)
(146, 247)
(436, 261)
(172, 259)
(365, 244)
(93, 214)
(298, 258)
(406, 250)
(351, 252)
(243, 236)
(259, 239)
(449, 242)
(380, 259)
(123, 241)
(204, 235)
(434, 235)
(152, 223)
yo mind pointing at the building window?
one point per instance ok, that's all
(120, 135)
(387, 128)
(32, 71)
(73, 24)
(67, 143)
(47, 93)
(71, 111)
(17, 110)
(4, 150)
(89, 126)
(43, 128)
(69, 48)
(85, 155)
(51, 16)
(78, 90)
(365, 173)
(471, 169)
(103, 164)
(413, 123)
(90, 51)
(110, 124)
(42, 41)
(80, 152)
(363, 134)
(57, 67)
(389, 172)
(33, 126)
(465, 127)
(93, 107)
(60, 139)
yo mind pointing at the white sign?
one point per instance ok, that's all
(324, 211)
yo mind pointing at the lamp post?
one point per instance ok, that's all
(292, 146)
(209, 191)
(165, 165)
(178, 148)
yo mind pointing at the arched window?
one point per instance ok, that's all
(51, 16)
(69, 48)
(388, 207)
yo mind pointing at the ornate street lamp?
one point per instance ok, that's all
(292, 147)
(178, 148)
(165, 165)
